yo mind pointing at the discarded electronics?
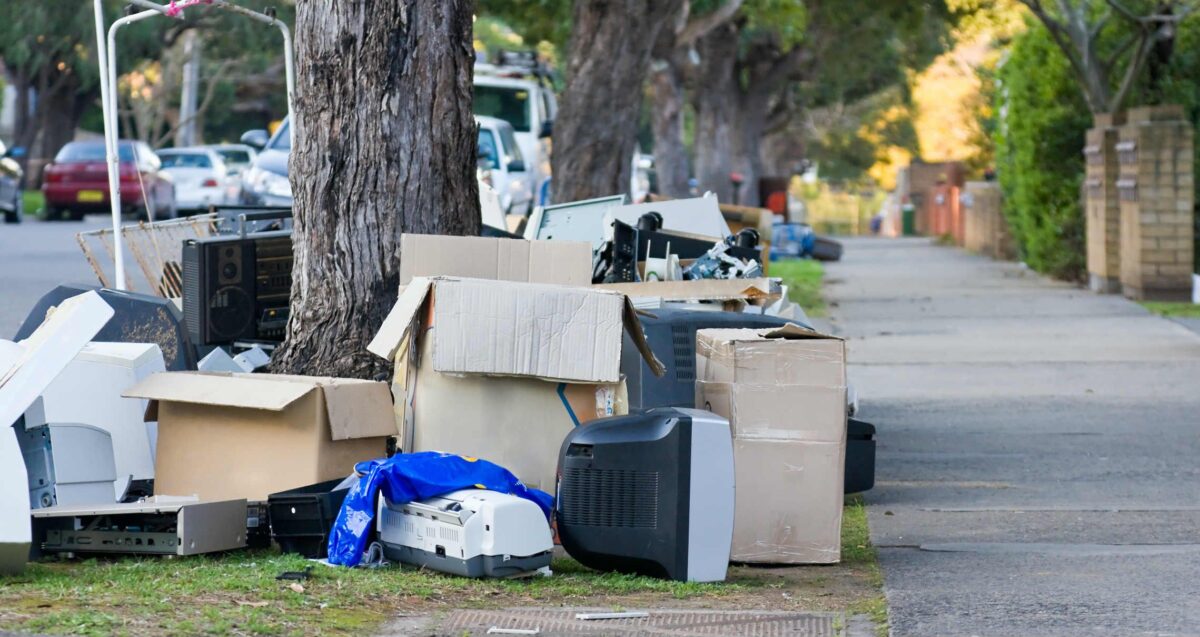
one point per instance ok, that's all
(237, 289)
(503, 369)
(137, 318)
(651, 494)
(67, 464)
(696, 216)
(573, 221)
(156, 526)
(472, 532)
(301, 518)
(225, 436)
(245, 362)
(860, 456)
(26, 369)
(784, 393)
(89, 391)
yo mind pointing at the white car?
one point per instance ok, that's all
(511, 94)
(238, 158)
(200, 176)
(502, 166)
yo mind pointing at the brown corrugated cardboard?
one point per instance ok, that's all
(784, 393)
(778, 412)
(550, 262)
(789, 355)
(225, 436)
(789, 502)
(502, 328)
(517, 423)
(753, 290)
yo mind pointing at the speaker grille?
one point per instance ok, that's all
(683, 341)
(192, 291)
(609, 498)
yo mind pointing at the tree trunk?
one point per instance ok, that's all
(716, 106)
(670, 153)
(607, 62)
(751, 119)
(384, 143)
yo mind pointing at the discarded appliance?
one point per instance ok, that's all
(653, 239)
(825, 249)
(156, 526)
(672, 335)
(698, 216)
(573, 221)
(301, 518)
(219, 360)
(719, 263)
(67, 464)
(502, 370)
(651, 494)
(860, 456)
(89, 391)
(552, 262)
(223, 436)
(26, 369)
(792, 240)
(472, 532)
(715, 294)
(137, 318)
(237, 289)
(784, 393)
(415, 476)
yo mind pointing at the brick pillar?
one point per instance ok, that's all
(1156, 192)
(1102, 207)
(985, 228)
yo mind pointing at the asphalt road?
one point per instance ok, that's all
(35, 257)
(1038, 447)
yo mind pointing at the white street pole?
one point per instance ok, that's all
(110, 148)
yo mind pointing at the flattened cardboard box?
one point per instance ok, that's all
(517, 423)
(501, 328)
(788, 355)
(550, 262)
(227, 436)
(788, 508)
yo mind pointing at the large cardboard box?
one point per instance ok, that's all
(784, 393)
(551, 262)
(503, 328)
(227, 436)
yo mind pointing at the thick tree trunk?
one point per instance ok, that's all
(751, 120)
(670, 153)
(384, 143)
(607, 62)
(716, 104)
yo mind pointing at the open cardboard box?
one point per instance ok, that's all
(225, 436)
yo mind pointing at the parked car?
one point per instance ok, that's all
(503, 167)
(10, 183)
(515, 92)
(199, 174)
(265, 182)
(237, 157)
(76, 182)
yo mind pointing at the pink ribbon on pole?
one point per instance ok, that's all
(175, 8)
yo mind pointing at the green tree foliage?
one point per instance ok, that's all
(1043, 119)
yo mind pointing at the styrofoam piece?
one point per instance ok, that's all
(252, 359)
(219, 360)
(27, 368)
(89, 391)
(489, 207)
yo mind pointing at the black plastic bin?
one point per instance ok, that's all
(860, 456)
(301, 518)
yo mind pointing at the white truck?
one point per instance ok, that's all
(517, 91)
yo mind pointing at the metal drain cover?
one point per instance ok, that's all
(672, 623)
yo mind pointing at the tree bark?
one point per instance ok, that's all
(716, 104)
(384, 143)
(666, 119)
(607, 62)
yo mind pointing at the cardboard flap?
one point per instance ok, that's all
(247, 391)
(793, 331)
(359, 410)
(399, 321)
(701, 289)
(634, 327)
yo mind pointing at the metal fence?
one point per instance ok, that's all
(156, 247)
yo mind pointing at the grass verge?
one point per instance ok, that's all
(858, 550)
(34, 201)
(1173, 309)
(803, 278)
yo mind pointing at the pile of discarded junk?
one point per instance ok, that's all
(623, 380)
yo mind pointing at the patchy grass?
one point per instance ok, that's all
(34, 202)
(857, 549)
(1176, 309)
(803, 278)
(237, 594)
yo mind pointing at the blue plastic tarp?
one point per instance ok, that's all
(407, 477)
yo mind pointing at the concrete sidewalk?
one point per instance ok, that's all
(1039, 447)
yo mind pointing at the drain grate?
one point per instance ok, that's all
(667, 623)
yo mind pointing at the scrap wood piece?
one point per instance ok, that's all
(701, 290)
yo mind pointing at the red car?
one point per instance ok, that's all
(77, 182)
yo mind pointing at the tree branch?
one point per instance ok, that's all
(209, 93)
(701, 26)
(1136, 64)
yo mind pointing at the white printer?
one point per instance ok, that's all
(472, 532)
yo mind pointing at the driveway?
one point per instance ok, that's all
(1039, 447)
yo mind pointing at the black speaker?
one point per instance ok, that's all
(236, 289)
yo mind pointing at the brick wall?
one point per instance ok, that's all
(1156, 192)
(1102, 208)
(985, 230)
